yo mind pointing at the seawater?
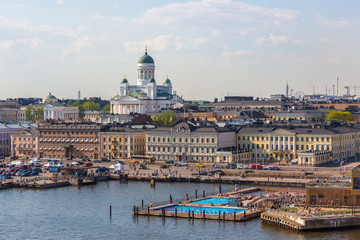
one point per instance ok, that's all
(83, 213)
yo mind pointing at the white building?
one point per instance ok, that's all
(146, 96)
(55, 110)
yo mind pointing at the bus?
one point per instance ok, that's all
(142, 159)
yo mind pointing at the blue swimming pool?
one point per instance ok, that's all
(213, 200)
(208, 210)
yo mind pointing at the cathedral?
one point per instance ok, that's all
(146, 96)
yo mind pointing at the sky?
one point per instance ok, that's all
(208, 48)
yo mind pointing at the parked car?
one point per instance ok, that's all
(163, 166)
(276, 168)
(240, 166)
(87, 164)
(96, 161)
(105, 160)
(169, 162)
(267, 168)
(143, 166)
(256, 166)
(217, 166)
(180, 164)
(231, 166)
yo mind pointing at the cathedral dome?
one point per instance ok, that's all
(146, 58)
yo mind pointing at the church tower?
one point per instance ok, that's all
(146, 69)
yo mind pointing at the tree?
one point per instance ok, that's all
(106, 108)
(90, 106)
(345, 116)
(34, 114)
(167, 118)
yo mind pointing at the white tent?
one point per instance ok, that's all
(117, 166)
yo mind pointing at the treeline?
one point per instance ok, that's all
(88, 106)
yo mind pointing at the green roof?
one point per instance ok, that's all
(138, 94)
(167, 80)
(146, 58)
(50, 96)
(124, 80)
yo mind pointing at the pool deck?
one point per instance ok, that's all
(160, 211)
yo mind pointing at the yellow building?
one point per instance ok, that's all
(271, 143)
(122, 142)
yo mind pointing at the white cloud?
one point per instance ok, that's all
(32, 28)
(95, 59)
(215, 33)
(97, 16)
(6, 45)
(331, 23)
(226, 55)
(120, 20)
(324, 40)
(60, 2)
(20, 44)
(86, 42)
(272, 40)
(205, 11)
(166, 42)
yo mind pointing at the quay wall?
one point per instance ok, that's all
(272, 183)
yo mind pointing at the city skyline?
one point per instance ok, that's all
(209, 48)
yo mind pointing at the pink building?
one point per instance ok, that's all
(24, 144)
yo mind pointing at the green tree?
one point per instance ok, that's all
(90, 106)
(106, 108)
(29, 113)
(345, 116)
(167, 118)
(34, 114)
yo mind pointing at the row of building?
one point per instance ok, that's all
(190, 141)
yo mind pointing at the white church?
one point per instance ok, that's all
(146, 96)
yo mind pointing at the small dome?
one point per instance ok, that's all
(146, 58)
(50, 96)
(124, 80)
(152, 80)
(167, 81)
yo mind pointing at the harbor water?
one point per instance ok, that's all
(84, 213)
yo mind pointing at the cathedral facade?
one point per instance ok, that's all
(146, 96)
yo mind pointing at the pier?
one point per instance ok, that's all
(296, 222)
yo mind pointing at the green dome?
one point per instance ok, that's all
(146, 58)
(167, 81)
(124, 80)
(50, 96)
(152, 79)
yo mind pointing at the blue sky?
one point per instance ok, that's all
(208, 48)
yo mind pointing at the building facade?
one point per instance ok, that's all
(274, 143)
(5, 136)
(121, 142)
(24, 144)
(188, 142)
(69, 140)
